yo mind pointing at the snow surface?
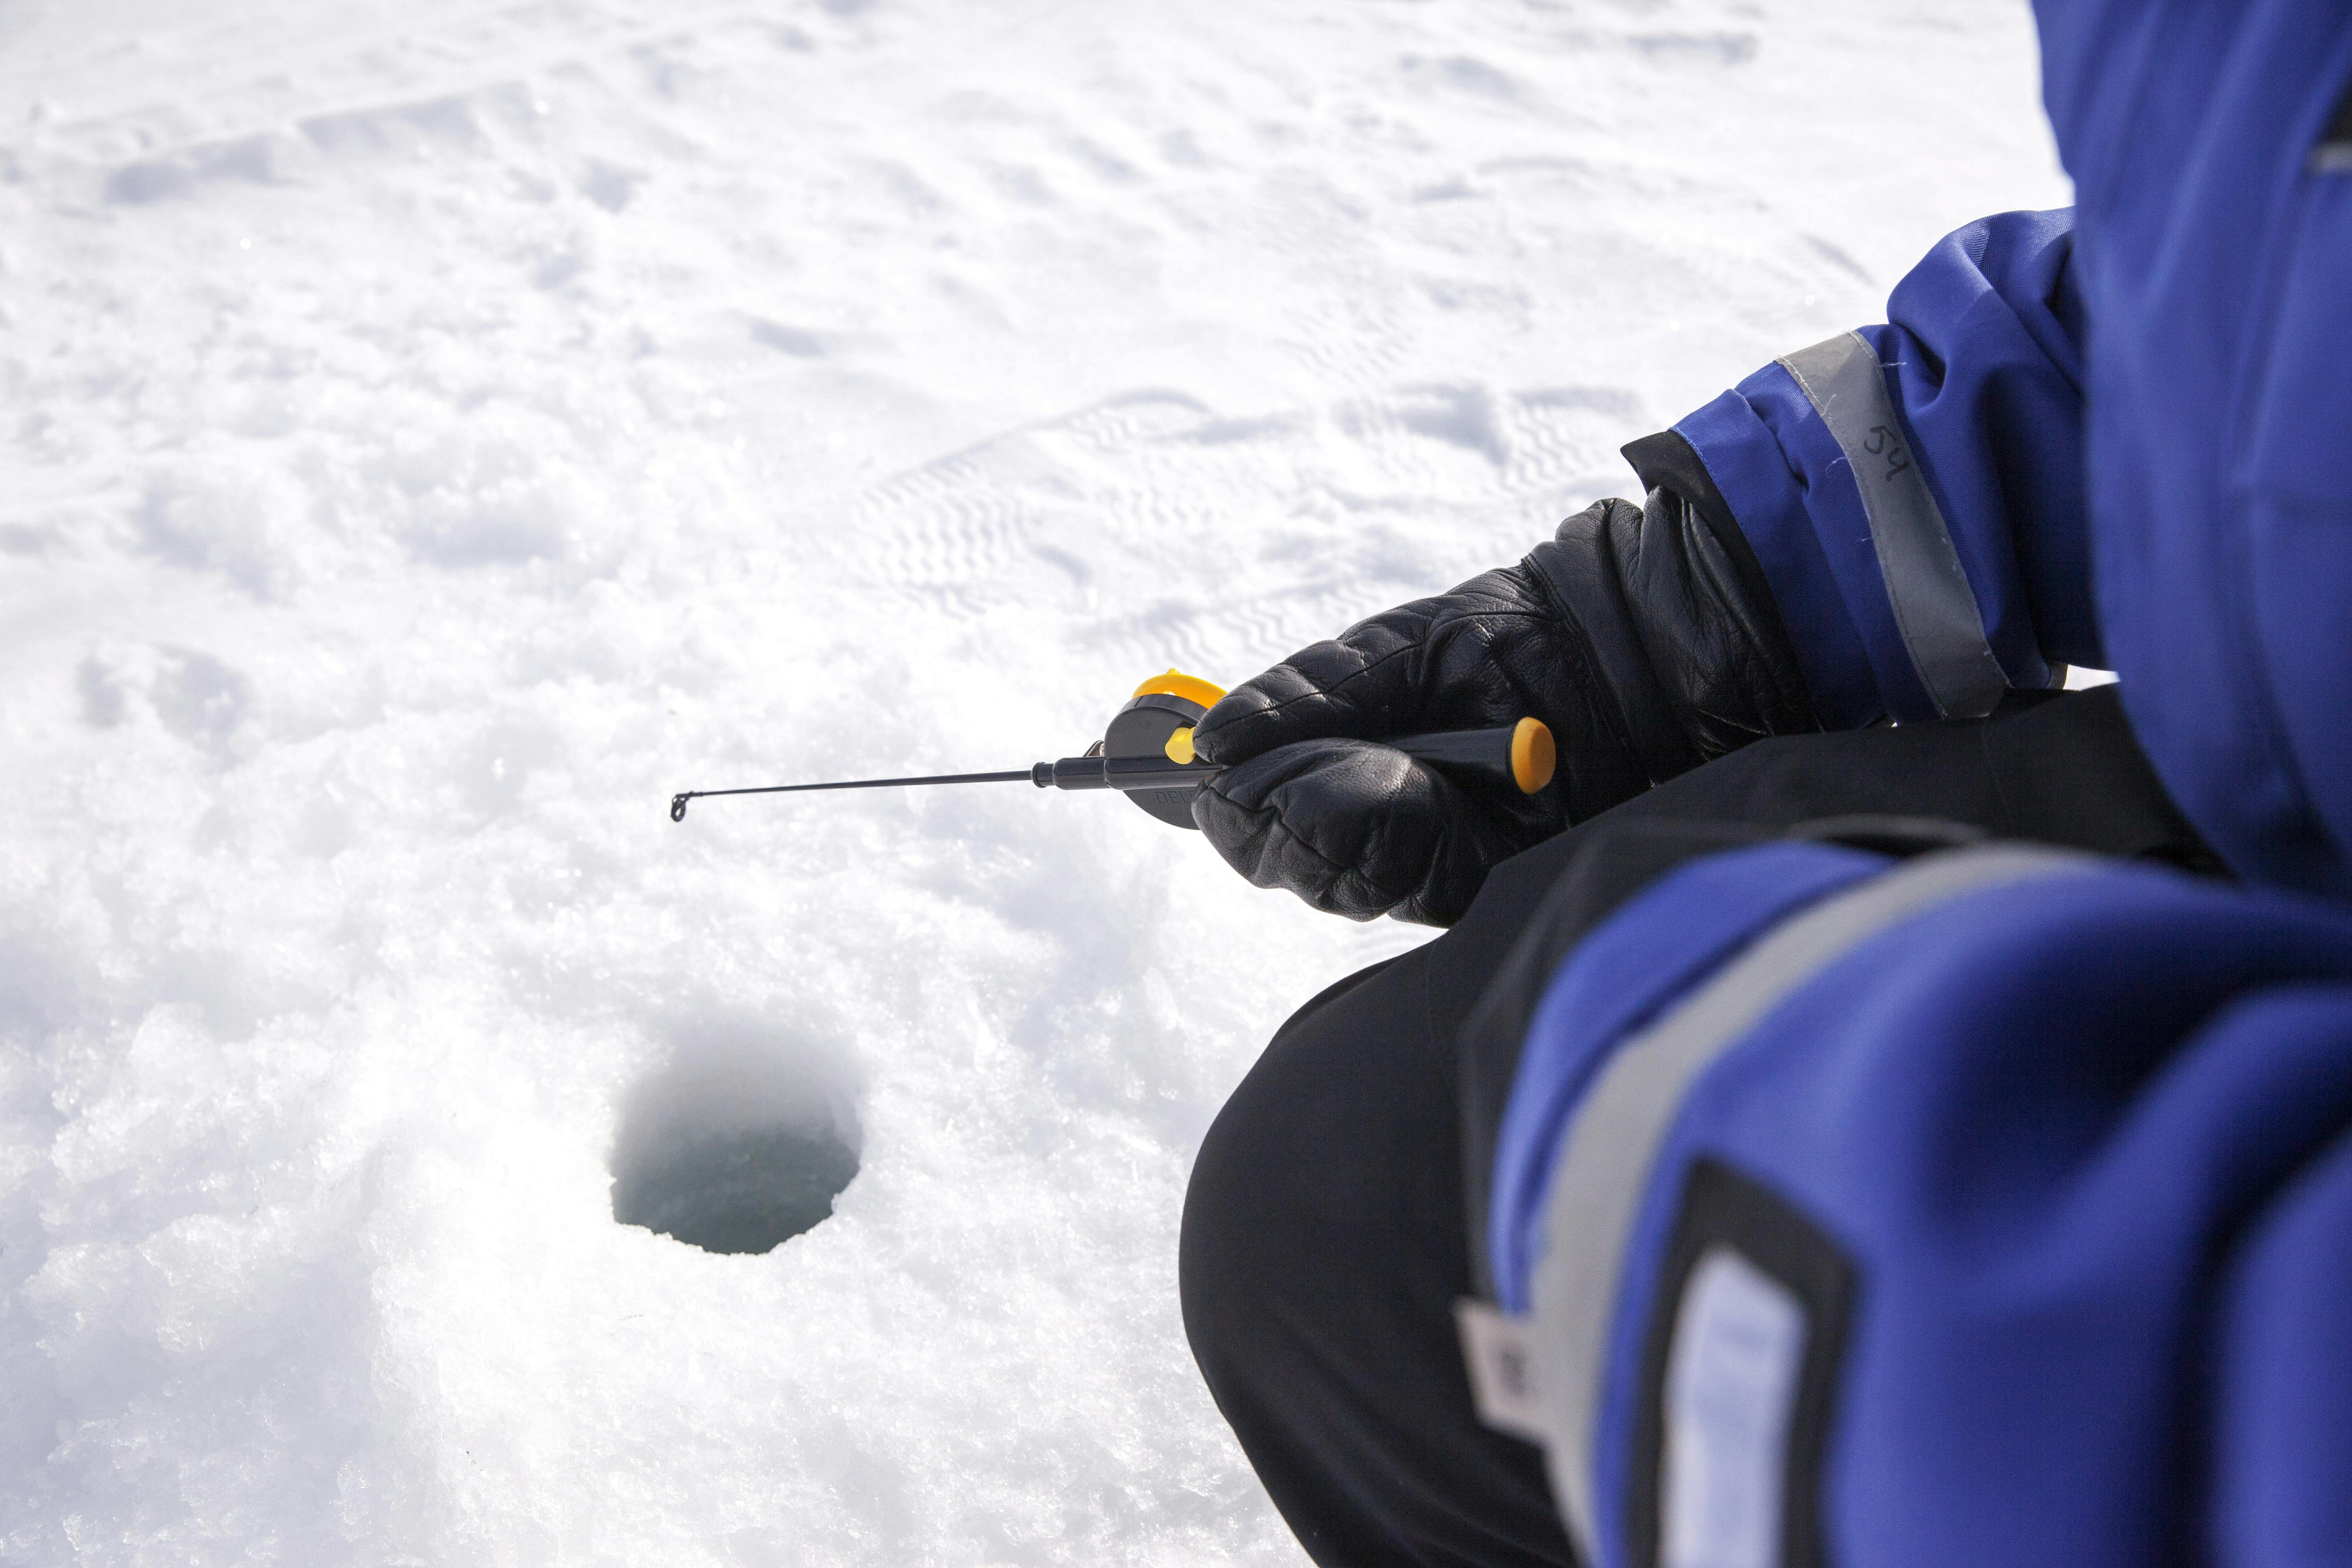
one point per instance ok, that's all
(437, 432)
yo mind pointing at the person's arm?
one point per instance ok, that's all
(1887, 525)
(1913, 493)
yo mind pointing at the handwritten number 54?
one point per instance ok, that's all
(1886, 441)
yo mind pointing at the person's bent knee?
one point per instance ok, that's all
(1233, 1220)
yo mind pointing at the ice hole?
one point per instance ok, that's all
(736, 1142)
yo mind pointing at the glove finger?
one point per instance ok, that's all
(1454, 661)
(1355, 829)
(1359, 684)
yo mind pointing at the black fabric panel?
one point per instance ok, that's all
(2339, 127)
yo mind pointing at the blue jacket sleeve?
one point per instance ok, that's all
(1914, 492)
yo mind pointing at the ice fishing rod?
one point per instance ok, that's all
(1146, 754)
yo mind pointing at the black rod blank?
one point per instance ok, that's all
(1504, 753)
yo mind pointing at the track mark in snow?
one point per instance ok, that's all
(1707, 49)
(260, 160)
(1142, 515)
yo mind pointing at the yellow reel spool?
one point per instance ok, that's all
(1191, 688)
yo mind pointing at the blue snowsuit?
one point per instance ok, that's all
(1996, 1206)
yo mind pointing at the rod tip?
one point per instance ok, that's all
(678, 808)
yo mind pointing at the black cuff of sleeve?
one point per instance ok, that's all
(1666, 461)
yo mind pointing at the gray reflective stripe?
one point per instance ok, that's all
(1613, 1136)
(1934, 607)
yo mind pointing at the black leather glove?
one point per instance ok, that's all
(1643, 636)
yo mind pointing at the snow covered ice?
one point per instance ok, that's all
(436, 432)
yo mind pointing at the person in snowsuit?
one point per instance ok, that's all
(1875, 1107)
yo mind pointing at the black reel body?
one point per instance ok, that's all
(1143, 729)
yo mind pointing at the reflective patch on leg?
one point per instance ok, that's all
(1731, 1385)
(1740, 1365)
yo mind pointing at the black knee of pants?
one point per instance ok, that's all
(1324, 1239)
(1322, 1253)
(1301, 1217)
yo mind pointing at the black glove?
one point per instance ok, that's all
(1643, 636)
